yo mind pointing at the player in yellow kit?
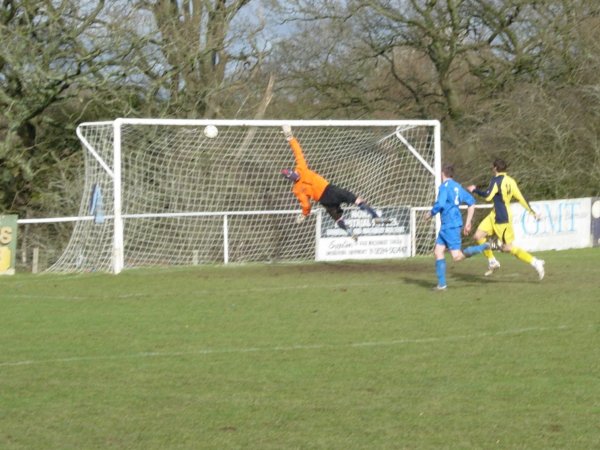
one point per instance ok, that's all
(501, 191)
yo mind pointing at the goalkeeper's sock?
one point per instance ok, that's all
(340, 223)
(475, 249)
(440, 271)
(364, 207)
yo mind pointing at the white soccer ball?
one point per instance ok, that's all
(211, 131)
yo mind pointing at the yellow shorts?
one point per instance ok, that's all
(504, 231)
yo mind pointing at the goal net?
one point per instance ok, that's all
(160, 192)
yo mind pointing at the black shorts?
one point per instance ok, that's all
(333, 197)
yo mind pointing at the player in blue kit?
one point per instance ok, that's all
(450, 196)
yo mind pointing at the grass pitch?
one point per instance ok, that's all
(318, 356)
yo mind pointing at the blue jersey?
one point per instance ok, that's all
(450, 196)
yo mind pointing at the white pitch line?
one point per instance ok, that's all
(241, 350)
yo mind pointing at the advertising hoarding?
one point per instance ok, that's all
(8, 244)
(565, 224)
(375, 241)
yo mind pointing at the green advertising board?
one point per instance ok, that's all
(8, 244)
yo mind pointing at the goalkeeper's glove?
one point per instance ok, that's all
(300, 218)
(287, 132)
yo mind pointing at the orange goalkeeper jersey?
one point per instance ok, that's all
(311, 185)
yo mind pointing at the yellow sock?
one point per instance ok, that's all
(488, 253)
(522, 254)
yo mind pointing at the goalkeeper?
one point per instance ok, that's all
(309, 185)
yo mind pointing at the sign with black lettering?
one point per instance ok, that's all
(376, 239)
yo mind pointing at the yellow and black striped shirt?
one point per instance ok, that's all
(501, 191)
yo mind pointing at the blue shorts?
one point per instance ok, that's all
(450, 237)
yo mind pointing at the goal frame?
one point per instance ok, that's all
(118, 250)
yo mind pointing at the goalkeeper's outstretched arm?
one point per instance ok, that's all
(296, 148)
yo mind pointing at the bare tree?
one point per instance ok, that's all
(66, 61)
(52, 53)
(404, 55)
(546, 124)
(511, 77)
(200, 56)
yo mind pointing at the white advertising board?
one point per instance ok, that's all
(565, 224)
(375, 241)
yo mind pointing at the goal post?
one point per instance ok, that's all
(161, 192)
